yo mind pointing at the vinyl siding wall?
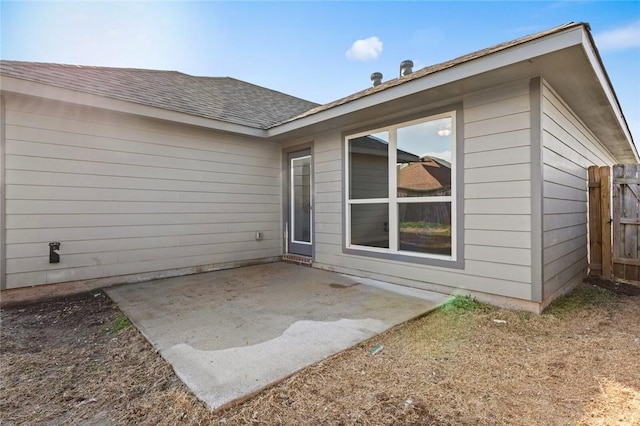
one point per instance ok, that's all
(127, 195)
(569, 148)
(497, 207)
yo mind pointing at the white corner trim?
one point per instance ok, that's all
(40, 90)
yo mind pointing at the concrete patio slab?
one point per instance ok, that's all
(230, 333)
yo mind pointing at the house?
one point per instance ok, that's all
(141, 174)
(428, 175)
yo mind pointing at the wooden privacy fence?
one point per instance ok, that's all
(614, 221)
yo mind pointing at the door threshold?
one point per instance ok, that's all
(297, 259)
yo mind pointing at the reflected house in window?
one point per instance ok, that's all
(369, 171)
(369, 179)
(428, 177)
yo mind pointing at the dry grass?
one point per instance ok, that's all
(575, 364)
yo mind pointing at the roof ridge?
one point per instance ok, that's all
(104, 68)
(94, 67)
(272, 90)
(220, 98)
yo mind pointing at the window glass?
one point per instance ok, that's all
(369, 166)
(301, 203)
(400, 190)
(424, 159)
(370, 225)
(425, 227)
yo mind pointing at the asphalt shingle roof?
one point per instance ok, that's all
(219, 98)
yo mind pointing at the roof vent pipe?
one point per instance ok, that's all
(376, 79)
(406, 67)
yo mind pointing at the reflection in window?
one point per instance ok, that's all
(301, 218)
(370, 225)
(423, 160)
(401, 189)
(369, 166)
(425, 227)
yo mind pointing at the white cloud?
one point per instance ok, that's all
(620, 38)
(363, 50)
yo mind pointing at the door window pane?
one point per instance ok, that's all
(370, 225)
(369, 166)
(425, 227)
(301, 189)
(424, 159)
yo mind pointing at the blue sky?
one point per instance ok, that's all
(320, 51)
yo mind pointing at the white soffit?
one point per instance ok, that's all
(605, 83)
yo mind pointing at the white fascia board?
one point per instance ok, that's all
(605, 83)
(45, 91)
(509, 56)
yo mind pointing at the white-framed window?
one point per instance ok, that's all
(400, 190)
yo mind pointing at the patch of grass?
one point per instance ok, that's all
(424, 225)
(460, 304)
(431, 228)
(524, 315)
(583, 296)
(119, 323)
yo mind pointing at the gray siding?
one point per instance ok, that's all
(127, 195)
(497, 208)
(568, 149)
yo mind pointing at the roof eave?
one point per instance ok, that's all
(512, 55)
(18, 86)
(592, 54)
(572, 37)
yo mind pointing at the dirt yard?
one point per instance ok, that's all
(79, 361)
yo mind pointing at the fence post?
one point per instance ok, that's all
(595, 225)
(605, 220)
